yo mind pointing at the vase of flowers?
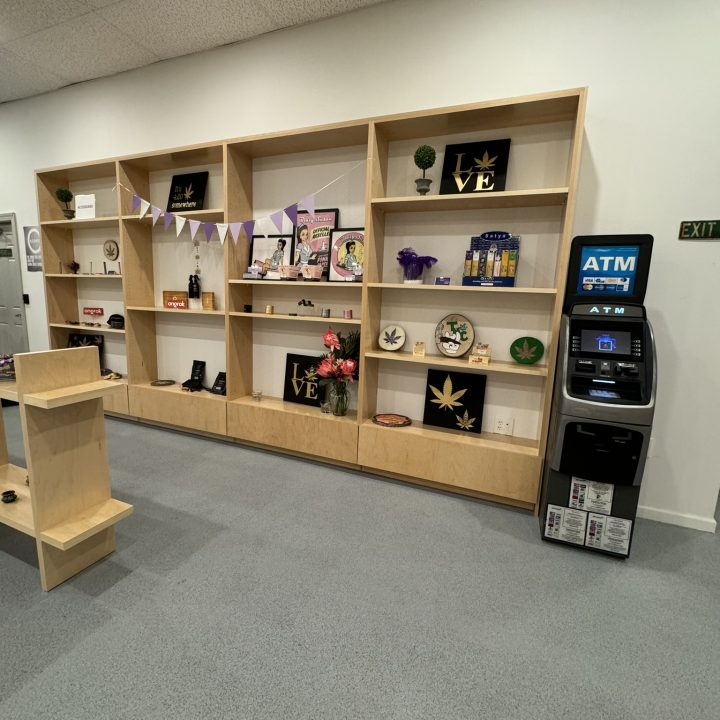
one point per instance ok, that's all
(338, 367)
(413, 265)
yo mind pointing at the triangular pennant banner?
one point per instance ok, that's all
(292, 212)
(222, 229)
(144, 207)
(235, 231)
(277, 218)
(208, 229)
(135, 202)
(194, 225)
(249, 228)
(155, 212)
(179, 224)
(167, 220)
(308, 203)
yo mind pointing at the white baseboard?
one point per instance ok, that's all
(706, 524)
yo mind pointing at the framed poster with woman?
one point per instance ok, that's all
(271, 251)
(347, 255)
(312, 237)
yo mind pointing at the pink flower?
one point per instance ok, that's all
(347, 367)
(325, 368)
(330, 340)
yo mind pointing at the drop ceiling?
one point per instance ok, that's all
(48, 44)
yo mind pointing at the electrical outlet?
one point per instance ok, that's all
(504, 425)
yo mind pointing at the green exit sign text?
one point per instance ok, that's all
(699, 230)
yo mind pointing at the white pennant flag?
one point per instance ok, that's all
(144, 207)
(179, 224)
(222, 229)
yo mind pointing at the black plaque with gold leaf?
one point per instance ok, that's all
(83, 340)
(454, 400)
(475, 168)
(187, 192)
(301, 381)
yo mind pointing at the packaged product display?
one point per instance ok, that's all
(492, 260)
(197, 375)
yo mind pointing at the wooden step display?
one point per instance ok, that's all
(67, 505)
(256, 320)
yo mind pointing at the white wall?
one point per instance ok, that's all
(651, 158)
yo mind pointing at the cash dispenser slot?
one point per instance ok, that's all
(617, 390)
(604, 453)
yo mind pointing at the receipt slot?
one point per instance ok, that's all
(604, 399)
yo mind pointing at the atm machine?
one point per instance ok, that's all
(604, 397)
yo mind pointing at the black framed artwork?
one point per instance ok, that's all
(347, 254)
(312, 237)
(88, 340)
(475, 168)
(301, 380)
(271, 251)
(454, 400)
(187, 192)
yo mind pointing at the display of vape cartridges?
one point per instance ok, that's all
(492, 259)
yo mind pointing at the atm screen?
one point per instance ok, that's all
(599, 341)
(608, 271)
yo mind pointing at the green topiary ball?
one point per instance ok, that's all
(425, 157)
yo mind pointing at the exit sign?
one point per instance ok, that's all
(699, 230)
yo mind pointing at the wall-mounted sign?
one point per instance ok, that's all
(93, 311)
(33, 248)
(699, 230)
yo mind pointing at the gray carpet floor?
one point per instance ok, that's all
(251, 586)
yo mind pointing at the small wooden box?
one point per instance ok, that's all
(208, 300)
(175, 299)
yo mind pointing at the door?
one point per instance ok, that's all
(13, 331)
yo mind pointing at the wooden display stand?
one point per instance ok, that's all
(547, 134)
(67, 506)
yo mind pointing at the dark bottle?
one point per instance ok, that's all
(194, 287)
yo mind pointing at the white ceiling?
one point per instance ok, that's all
(48, 44)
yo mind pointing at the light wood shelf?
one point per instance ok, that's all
(213, 215)
(495, 366)
(176, 389)
(546, 197)
(8, 390)
(18, 514)
(82, 224)
(301, 318)
(464, 288)
(88, 328)
(290, 408)
(84, 276)
(89, 522)
(60, 397)
(309, 284)
(149, 308)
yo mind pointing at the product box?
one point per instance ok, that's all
(492, 260)
(84, 207)
(175, 299)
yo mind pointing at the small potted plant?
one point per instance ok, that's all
(424, 159)
(65, 196)
(413, 265)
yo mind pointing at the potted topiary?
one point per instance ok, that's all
(65, 196)
(424, 159)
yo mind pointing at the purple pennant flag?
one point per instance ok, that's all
(308, 203)
(277, 218)
(155, 213)
(209, 229)
(235, 231)
(292, 212)
(167, 220)
(135, 202)
(194, 225)
(249, 228)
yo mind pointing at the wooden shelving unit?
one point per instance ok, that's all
(253, 176)
(66, 504)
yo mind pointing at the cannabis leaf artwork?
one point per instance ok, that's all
(189, 192)
(392, 338)
(447, 398)
(454, 400)
(527, 350)
(465, 422)
(486, 162)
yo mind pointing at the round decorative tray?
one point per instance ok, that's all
(391, 420)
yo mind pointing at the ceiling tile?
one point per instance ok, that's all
(18, 19)
(81, 49)
(21, 78)
(299, 12)
(170, 28)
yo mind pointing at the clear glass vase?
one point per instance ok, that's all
(339, 398)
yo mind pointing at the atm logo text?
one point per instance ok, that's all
(614, 263)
